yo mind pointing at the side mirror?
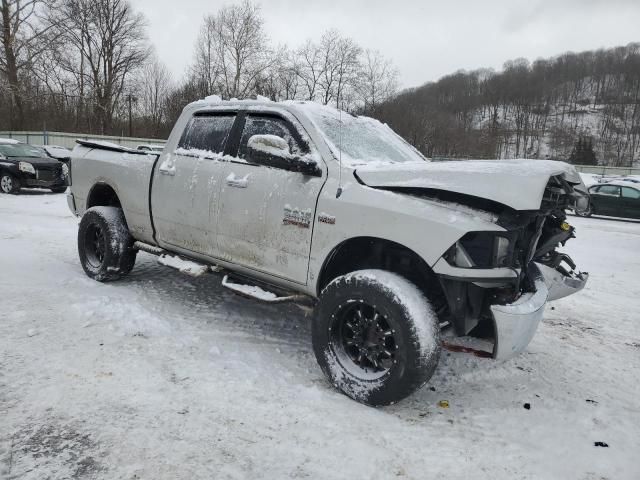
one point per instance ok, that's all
(273, 151)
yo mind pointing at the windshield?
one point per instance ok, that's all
(360, 139)
(21, 150)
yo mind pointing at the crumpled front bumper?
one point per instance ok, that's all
(516, 323)
(560, 285)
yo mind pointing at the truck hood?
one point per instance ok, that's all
(519, 184)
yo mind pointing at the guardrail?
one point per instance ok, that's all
(68, 140)
(603, 170)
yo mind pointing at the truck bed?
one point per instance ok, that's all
(128, 172)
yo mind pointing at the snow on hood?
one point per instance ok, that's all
(519, 184)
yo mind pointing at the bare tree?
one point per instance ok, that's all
(207, 69)
(153, 88)
(237, 46)
(111, 44)
(287, 74)
(339, 66)
(279, 81)
(24, 38)
(377, 81)
(308, 67)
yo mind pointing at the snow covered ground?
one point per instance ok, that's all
(165, 376)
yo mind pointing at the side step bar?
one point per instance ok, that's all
(264, 293)
(257, 293)
(189, 267)
(145, 247)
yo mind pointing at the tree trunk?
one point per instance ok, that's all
(17, 118)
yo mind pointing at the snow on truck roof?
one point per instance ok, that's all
(8, 141)
(307, 106)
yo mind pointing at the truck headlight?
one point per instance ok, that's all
(65, 170)
(482, 250)
(26, 167)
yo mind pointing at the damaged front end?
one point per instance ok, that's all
(497, 283)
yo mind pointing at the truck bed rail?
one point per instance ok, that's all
(112, 147)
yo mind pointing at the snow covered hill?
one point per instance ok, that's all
(539, 109)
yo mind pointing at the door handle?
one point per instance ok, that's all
(236, 182)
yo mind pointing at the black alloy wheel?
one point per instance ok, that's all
(95, 246)
(363, 335)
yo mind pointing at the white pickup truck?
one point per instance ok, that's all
(298, 202)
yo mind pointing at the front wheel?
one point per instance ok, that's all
(9, 183)
(105, 245)
(375, 336)
(587, 213)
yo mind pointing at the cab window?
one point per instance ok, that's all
(628, 192)
(207, 132)
(271, 125)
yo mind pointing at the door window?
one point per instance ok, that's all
(268, 125)
(628, 192)
(609, 190)
(207, 132)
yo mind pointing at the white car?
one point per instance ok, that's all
(297, 202)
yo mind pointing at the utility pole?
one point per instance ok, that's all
(131, 99)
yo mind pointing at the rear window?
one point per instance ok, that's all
(207, 132)
(628, 192)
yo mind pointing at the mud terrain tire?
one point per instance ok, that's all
(376, 336)
(105, 245)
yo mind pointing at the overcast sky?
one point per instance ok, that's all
(425, 39)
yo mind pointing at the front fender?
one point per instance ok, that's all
(423, 226)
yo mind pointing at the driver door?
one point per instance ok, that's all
(266, 214)
(606, 199)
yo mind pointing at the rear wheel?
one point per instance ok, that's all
(9, 183)
(376, 336)
(105, 245)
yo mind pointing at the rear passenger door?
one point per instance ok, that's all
(267, 213)
(631, 202)
(186, 186)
